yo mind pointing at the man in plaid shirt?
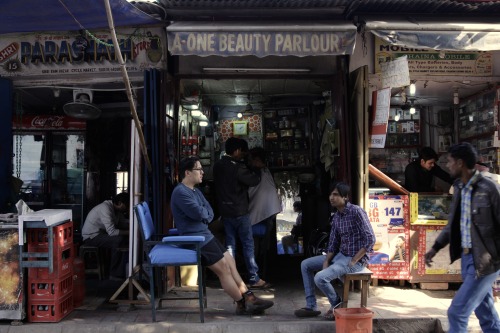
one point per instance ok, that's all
(351, 239)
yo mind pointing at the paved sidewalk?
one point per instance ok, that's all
(387, 302)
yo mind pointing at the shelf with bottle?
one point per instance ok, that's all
(287, 137)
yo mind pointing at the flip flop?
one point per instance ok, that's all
(266, 285)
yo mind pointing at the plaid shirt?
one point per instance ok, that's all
(351, 231)
(465, 216)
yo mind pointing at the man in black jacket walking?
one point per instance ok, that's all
(232, 179)
(473, 233)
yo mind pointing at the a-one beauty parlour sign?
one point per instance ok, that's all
(65, 53)
(260, 43)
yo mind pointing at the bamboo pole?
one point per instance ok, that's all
(126, 80)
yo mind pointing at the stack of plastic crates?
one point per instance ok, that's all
(50, 295)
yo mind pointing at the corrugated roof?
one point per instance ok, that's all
(328, 9)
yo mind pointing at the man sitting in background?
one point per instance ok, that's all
(106, 226)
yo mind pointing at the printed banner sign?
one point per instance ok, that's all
(63, 53)
(381, 104)
(260, 44)
(389, 217)
(423, 61)
(49, 122)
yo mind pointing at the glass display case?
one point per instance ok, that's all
(429, 209)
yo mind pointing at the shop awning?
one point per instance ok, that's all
(260, 39)
(439, 36)
(18, 16)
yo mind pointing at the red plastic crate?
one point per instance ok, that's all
(78, 282)
(62, 265)
(50, 290)
(37, 238)
(40, 311)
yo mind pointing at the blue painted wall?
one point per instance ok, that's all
(5, 143)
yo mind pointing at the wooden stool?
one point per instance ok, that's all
(86, 253)
(364, 276)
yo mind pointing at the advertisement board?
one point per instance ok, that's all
(389, 217)
(65, 53)
(426, 61)
(441, 261)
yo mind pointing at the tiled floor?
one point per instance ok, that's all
(389, 301)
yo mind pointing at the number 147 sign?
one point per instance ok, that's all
(387, 211)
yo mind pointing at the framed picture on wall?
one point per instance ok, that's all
(240, 127)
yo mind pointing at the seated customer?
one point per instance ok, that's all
(419, 174)
(106, 226)
(351, 240)
(192, 214)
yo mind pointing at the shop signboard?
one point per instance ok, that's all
(48, 122)
(427, 61)
(260, 43)
(56, 54)
(389, 217)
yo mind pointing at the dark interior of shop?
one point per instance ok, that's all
(235, 88)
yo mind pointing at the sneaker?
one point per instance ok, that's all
(255, 305)
(306, 312)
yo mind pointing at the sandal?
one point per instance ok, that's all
(265, 285)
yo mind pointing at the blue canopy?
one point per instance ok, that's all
(17, 16)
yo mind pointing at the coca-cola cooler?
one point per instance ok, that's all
(48, 156)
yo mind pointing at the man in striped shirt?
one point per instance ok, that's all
(351, 239)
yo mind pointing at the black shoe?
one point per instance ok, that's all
(255, 305)
(306, 312)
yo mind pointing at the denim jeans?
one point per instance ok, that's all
(475, 294)
(240, 226)
(337, 269)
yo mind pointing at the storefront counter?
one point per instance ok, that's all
(428, 216)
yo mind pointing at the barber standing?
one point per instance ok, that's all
(473, 233)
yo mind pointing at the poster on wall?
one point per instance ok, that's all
(381, 104)
(389, 217)
(441, 261)
(53, 54)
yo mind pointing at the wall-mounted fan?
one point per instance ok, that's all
(82, 107)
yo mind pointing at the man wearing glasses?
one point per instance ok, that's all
(192, 214)
(351, 239)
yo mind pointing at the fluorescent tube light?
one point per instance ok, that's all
(256, 70)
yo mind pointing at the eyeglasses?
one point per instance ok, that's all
(197, 169)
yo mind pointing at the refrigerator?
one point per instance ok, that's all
(49, 158)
